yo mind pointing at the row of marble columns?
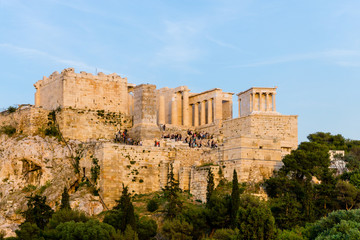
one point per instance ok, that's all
(179, 109)
(205, 117)
(262, 101)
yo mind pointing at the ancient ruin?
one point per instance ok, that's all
(94, 108)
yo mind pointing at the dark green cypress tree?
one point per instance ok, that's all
(65, 200)
(171, 191)
(235, 200)
(127, 209)
(210, 185)
(38, 211)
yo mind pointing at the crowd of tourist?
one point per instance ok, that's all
(123, 137)
(193, 139)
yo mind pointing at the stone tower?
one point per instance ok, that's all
(145, 113)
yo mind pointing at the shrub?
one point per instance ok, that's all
(29, 188)
(152, 205)
(146, 228)
(8, 130)
(11, 109)
(44, 187)
(66, 215)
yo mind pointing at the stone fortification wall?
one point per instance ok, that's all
(282, 128)
(82, 125)
(87, 125)
(83, 91)
(49, 92)
(26, 119)
(198, 183)
(143, 169)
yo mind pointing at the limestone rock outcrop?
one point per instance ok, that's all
(36, 165)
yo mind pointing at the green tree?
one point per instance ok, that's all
(293, 234)
(29, 231)
(210, 185)
(171, 193)
(352, 159)
(196, 216)
(38, 211)
(225, 234)
(177, 229)
(334, 142)
(116, 219)
(255, 220)
(337, 225)
(325, 193)
(152, 205)
(293, 191)
(90, 230)
(65, 200)
(235, 200)
(348, 194)
(66, 215)
(146, 228)
(217, 211)
(125, 209)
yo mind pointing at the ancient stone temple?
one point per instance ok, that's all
(93, 108)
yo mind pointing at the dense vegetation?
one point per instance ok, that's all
(306, 200)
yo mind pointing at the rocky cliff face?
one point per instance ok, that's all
(36, 165)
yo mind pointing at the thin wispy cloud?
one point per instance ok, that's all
(331, 55)
(222, 43)
(179, 46)
(34, 53)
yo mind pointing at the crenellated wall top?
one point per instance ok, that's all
(70, 73)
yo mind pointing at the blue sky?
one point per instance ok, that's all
(309, 49)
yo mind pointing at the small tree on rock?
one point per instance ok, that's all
(65, 200)
(235, 200)
(171, 191)
(38, 211)
(127, 209)
(210, 185)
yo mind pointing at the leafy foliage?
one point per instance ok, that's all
(235, 200)
(11, 109)
(152, 205)
(8, 130)
(255, 220)
(210, 185)
(95, 170)
(90, 230)
(177, 229)
(146, 228)
(66, 215)
(38, 211)
(338, 225)
(171, 194)
(123, 213)
(65, 200)
(29, 231)
(217, 211)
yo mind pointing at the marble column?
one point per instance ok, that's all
(174, 110)
(196, 114)
(185, 108)
(161, 110)
(266, 102)
(210, 111)
(202, 113)
(251, 102)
